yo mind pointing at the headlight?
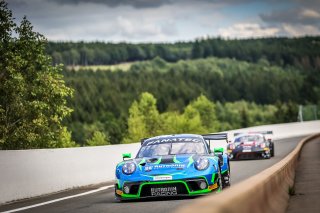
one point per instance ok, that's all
(232, 146)
(262, 145)
(128, 168)
(201, 163)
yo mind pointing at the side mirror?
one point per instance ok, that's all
(126, 155)
(218, 150)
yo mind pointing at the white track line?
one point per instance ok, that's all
(59, 199)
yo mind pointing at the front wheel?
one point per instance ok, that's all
(266, 155)
(272, 150)
(226, 179)
(220, 181)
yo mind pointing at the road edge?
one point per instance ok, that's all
(267, 191)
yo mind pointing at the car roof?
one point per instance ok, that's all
(175, 136)
(248, 134)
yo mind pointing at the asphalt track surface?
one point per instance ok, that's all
(103, 201)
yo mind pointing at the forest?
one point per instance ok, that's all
(247, 81)
(239, 93)
(301, 51)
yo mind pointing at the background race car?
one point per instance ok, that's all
(173, 165)
(251, 145)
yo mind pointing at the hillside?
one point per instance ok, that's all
(302, 51)
(102, 99)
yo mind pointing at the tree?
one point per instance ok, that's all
(244, 118)
(65, 140)
(144, 119)
(171, 122)
(148, 108)
(98, 139)
(192, 121)
(32, 91)
(74, 57)
(136, 125)
(207, 113)
(197, 50)
(56, 58)
(86, 56)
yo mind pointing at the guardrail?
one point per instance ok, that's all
(265, 192)
(30, 173)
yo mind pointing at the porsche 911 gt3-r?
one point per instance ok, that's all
(173, 165)
(251, 145)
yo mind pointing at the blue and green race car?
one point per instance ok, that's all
(173, 165)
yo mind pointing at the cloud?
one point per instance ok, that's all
(166, 20)
(314, 4)
(247, 30)
(139, 28)
(303, 18)
(180, 21)
(294, 16)
(17, 3)
(151, 3)
(93, 22)
(299, 30)
(116, 3)
(308, 13)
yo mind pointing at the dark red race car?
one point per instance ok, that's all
(251, 145)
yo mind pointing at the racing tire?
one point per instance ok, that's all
(272, 150)
(267, 156)
(220, 183)
(226, 178)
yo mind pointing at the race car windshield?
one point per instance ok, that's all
(249, 138)
(187, 148)
(171, 149)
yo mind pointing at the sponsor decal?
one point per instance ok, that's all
(162, 177)
(147, 168)
(171, 140)
(164, 191)
(246, 149)
(165, 166)
(248, 143)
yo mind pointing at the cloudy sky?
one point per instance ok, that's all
(168, 20)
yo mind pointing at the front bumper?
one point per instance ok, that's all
(152, 189)
(257, 153)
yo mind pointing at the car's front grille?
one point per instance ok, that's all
(245, 156)
(166, 189)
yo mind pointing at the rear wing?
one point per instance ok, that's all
(214, 137)
(258, 132)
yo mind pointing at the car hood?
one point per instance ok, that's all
(165, 164)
